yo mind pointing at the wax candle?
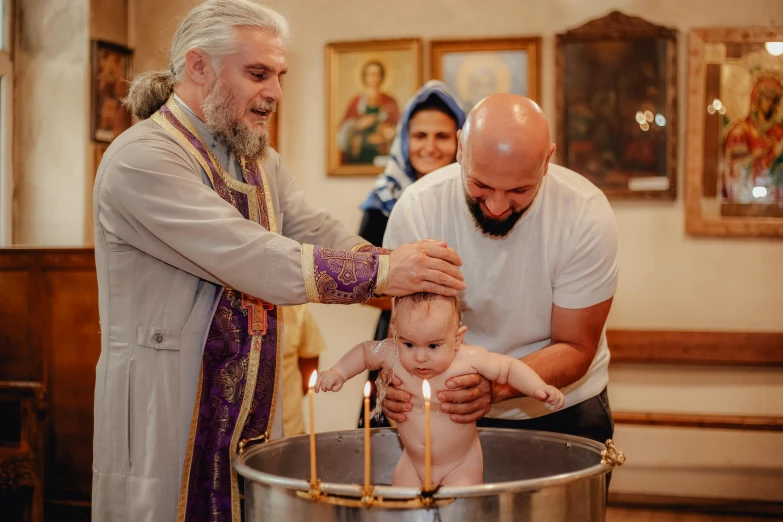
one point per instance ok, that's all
(310, 391)
(367, 434)
(425, 389)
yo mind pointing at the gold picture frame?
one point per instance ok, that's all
(616, 92)
(734, 138)
(475, 68)
(360, 132)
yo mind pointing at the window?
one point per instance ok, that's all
(6, 122)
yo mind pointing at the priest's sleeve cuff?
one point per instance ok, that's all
(342, 276)
(383, 275)
(367, 247)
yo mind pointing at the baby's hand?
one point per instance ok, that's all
(550, 395)
(329, 381)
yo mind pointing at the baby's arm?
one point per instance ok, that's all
(504, 369)
(363, 356)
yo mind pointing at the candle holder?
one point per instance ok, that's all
(368, 496)
(373, 499)
(315, 492)
(427, 496)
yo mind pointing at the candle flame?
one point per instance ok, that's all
(367, 389)
(425, 389)
(313, 378)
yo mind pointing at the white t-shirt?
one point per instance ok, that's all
(563, 251)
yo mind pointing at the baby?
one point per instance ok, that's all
(428, 335)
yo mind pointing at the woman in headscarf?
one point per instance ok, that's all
(426, 141)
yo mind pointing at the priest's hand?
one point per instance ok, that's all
(468, 398)
(424, 266)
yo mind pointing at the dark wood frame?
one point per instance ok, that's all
(96, 46)
(332, 50)
(613, 27)
(695, 222)
(531, 44)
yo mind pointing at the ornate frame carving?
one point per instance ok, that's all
(619, 27)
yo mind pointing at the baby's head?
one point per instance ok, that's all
(428, 332)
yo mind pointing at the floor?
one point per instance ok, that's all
(658, 515)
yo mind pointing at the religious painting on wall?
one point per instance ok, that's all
(111, 72)
(734, 184)
(617, 106)
(368, 84)
(474, 69)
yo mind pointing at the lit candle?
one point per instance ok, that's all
(367, 434)
(313, 378)
(425, 389)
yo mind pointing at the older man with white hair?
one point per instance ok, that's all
(200, 235)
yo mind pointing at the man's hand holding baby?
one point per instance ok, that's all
(467, 399)
(397, 402)
(329, 380)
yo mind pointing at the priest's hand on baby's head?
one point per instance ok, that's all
(424, 266)
(329, 380)
(550, 395)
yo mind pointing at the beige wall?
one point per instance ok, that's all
(109, 23)
(668, 280)
(51, 124)
(109, 20)
(54, 158)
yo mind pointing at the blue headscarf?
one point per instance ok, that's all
(399, 173)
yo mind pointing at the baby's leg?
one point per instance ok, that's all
(405, 474)
(470, 471)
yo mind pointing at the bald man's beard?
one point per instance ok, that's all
(220, 107)
(494, 228)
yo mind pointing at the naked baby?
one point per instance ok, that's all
(428, 345)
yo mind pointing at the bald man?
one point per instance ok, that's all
(540, 258)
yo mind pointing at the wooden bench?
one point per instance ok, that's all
(21, 461)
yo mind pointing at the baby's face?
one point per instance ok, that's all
(428, 336)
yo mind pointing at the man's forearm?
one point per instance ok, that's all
(558, 364)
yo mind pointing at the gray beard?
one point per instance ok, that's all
(220, 109)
